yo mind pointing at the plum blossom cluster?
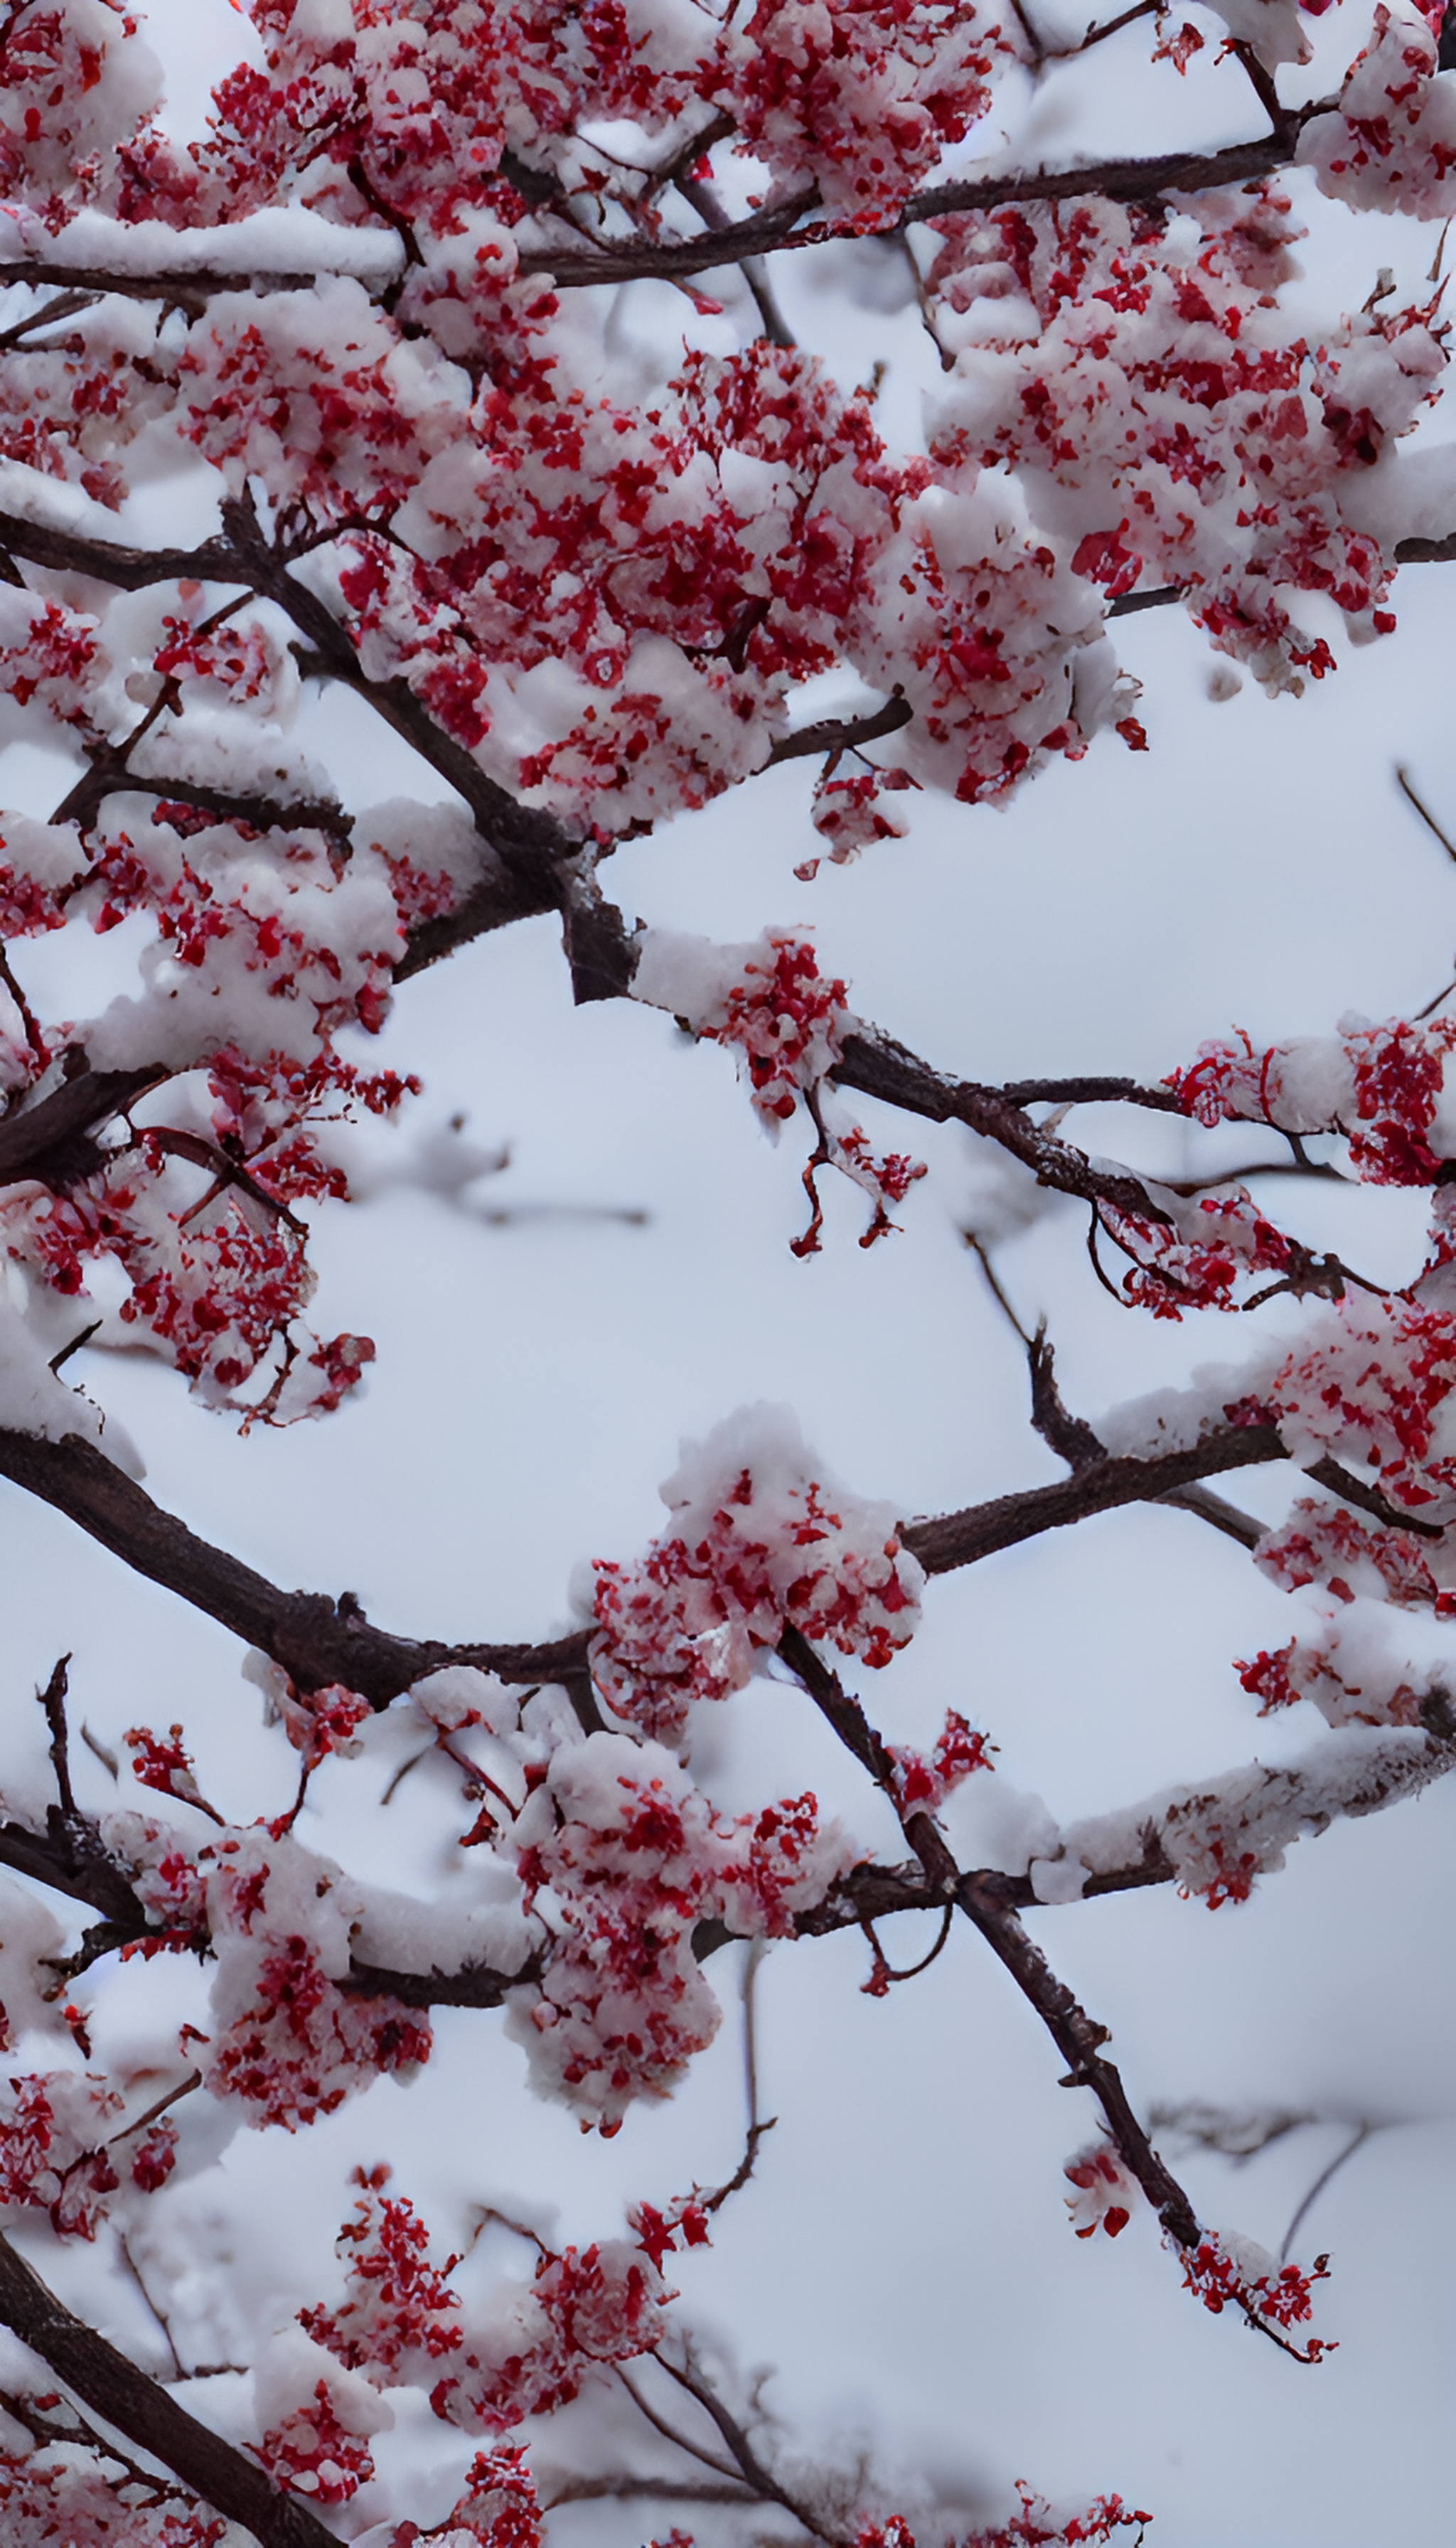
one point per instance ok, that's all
(1380, 1086)
(1327, 1545)
(1196, 1258)
(318, 2451)
(1137, 356)
(525, 2351)
(787, 1022)
(64, 2150)
(276, 1923)
(1352, 1677)
(767, 1001)
(58, 2494)
(245, 983)
(923, 1785)
(1227, 2271)
(758, 1543)
(499, 2508)
(1356, 1572)
(1371, 1381)
(1104, 2193)
(624, 1856)
(1390, 145)
(1034, 2524)
(286, 2037)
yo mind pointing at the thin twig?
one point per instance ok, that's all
(669, 2432)
(134, 2270)
(1403, 781)
(1362, 2134)
(748, 2463)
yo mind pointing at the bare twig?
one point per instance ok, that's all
(1357, 2142)
(1404, 782)
(159, 2314)
(52, 1701)
(747, 2462)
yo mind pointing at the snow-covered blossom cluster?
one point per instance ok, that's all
(1104, 2195)
(1228, 2271)
(60, 2493)
(758, 1543)
(625, 1855)
(1390, 145)
(244, 984)
(527, 2350)
(1034, 2525)
(1378, 1086)
(787, 1022)
(1135, 359)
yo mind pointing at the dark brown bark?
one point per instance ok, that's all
(983, 1899)
(1079, 2039)
(48, 1138)
(315, 1640)
(1123, 181)
(318, 1640)
(961, 1539)
(126, 2399)
(842, 734)
(877, 1066)
(179, 288)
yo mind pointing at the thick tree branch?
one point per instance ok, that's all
(126, 2399)
(1090, 1091)
(182, 287)
(264, 813)
(962, 1539)
(49, 1138)
(316, 1641)
(319, 1641)
(877, 1066)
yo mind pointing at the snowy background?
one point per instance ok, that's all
(548, 1329)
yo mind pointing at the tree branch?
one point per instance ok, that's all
(983, 1900)
(49, 1137)
(531, 845)
(877, 1066)
(182, 287)
(840, 734)
(314, 1640)
(126, 2399)
(754, 2474)
(962, 1539)
(1079, 2039)
(1090, 1091)
(1123, 181)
